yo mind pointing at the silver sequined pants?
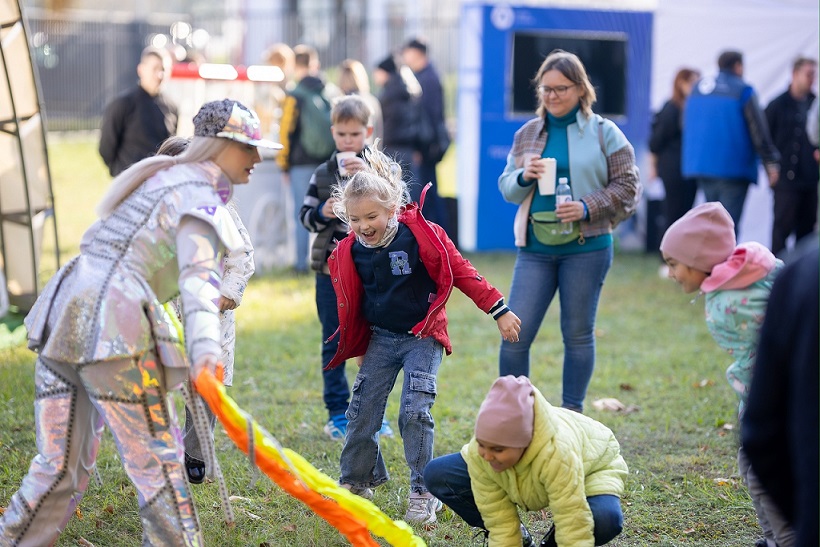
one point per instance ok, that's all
(71, 405)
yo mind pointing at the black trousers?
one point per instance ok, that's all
(795, 212)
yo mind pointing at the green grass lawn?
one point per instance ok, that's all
(653, 352)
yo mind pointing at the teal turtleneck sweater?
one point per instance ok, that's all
(558, 147)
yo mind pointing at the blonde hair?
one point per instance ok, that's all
(380, 181)
(573, 70)
(200, 149)
(173, 146)
(353, 77)
(280, 55)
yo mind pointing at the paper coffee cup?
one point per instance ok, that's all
(340, 160)
(546, 183)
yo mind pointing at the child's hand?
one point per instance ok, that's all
(353, 165)
(226, 303)
(327, 209)
(509, 325)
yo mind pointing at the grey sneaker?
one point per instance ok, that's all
(366, 493)
(422, 509)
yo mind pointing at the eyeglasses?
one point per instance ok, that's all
(559, 90)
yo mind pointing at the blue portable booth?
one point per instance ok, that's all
(502, 47)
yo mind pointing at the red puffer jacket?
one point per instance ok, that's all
(446, 267)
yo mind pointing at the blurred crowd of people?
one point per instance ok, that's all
(407, 116)
(713, 130)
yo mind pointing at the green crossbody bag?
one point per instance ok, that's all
(547, 229)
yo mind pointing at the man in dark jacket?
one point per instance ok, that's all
(724, 131)
(414, 56)
(795, 194)
(135, 123)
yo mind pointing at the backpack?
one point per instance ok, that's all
(315, 137)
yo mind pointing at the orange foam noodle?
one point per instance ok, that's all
(353, 516)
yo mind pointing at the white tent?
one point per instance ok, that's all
(769, 33)
(25, 182)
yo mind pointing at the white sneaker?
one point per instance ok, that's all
(366, 493)
(422, 509)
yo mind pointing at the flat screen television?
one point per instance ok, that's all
(603, 55)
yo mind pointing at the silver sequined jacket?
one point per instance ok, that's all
(162, 240)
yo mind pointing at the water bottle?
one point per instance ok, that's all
(563, 194)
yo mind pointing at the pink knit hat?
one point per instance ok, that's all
(506, 415)
(702, 238)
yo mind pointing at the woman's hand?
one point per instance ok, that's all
(570, 211)
(225, 303)
(206, 362)
(533, 167)
(509, 325)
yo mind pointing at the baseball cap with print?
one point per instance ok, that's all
(229, 119)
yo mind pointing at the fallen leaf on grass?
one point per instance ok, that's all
(289, 528)
(237, 498)
(78, 513)
(626, 387)
(109, 509)
(82, 542)
(251, 515)
(610, 404)
(704, 383)
(689, 531)
(723, 481)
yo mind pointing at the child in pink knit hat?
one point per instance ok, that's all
(702, 256)
(528, 454)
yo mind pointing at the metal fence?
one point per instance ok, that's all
(85, 62)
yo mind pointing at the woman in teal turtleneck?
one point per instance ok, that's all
(599, 163)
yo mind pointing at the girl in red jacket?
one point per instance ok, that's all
(393, 275)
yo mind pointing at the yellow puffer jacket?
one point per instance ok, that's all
(570, 458)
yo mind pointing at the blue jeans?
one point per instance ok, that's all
(299, 182)
(731, 193)
(447, 479)
(336, 391)
(361, 463)
(578, 279)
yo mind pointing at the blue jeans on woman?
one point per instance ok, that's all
(362, 465)
(447, 479)
(578, 279)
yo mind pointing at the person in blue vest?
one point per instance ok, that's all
(724, 133)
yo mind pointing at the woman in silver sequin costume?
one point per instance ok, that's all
(107, 353)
